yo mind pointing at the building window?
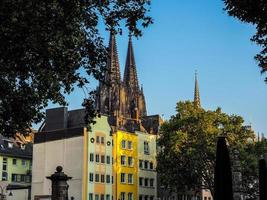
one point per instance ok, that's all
(146, 197)
(123, 144)
(123, 178)
(102, 197)
(130, 196)
(130, 178)
(23, 162)
(90, 196)
(151, 165)
(140, 197)
(91, 157)
(14, 177)
(102, 159)
(97, 139)
(91, 177)
(151, 197)
(102, 178)
(112, 179)
(140, 164)
(96, 197)
(4, 167)
(141, 181)
(123, 160)
(28, 179)
(146, 164)
(14, 161)
(130, 145)
(102, 140)
(108, 159)
(151, 182)
(123, 196)
(205, 198)
(108, 178)
(4, 176)
(209, 198)
(107, 197)
(146, 148)
(97, 157)
(96, 177)
(130, 161)
(146, 182)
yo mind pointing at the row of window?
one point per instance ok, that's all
(129, 195)
(146, 182)
(146, 197)
(100, 178)
(129, 144)
(99, 196)
(130, 178)
(21, 178)
(130, 161)
(145, 164)
(100, 158)
(14, 162)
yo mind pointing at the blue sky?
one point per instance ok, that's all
(189, 35)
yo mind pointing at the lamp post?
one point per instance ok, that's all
(3, 196)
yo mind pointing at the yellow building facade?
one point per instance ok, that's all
(125, 167)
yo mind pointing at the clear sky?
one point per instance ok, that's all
(189, 35)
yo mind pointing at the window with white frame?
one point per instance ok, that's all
(23, 162)
(130, 161)
(146, 147)
(123, 144)
(151, 182)
(91, 177)
(123, 196)
(123, 178)
(130, 145)
(130, 196)
(123, 160)
(130, 178)
(90, 196)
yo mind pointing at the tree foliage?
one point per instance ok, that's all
(187, 147)
(254, 12)
(46, 44)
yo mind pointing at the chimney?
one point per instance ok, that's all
(56, 118)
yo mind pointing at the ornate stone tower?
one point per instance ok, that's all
(135, 99)
(108, 92)
(123, 100)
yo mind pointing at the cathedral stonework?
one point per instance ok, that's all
(123, 100)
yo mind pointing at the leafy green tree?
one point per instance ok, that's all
(46, 44)
(187, 146)
(253, 12)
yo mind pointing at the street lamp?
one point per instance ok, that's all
(2, 192)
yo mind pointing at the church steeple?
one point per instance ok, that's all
(130, 74)
(113, 66)
(196, 94)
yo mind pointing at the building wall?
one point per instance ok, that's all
(100, 144)
(68, 153)
(22, 167)
(119, 168)
(147, 192)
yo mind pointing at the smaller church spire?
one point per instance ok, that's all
(196, 95)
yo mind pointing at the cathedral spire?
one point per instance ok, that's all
(130, 74)
(113, 66)
(196, 95)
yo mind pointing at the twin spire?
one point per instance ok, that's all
(130, 78)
